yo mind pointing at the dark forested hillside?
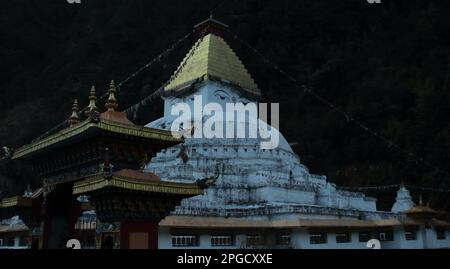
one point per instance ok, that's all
(388, 65)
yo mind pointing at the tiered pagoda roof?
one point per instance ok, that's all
(110, 122)
(107, 123)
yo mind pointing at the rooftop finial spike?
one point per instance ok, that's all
(210, 26)
(74, 118)
(92, 100)
(111, 103)
(28, 192)
(420, 200)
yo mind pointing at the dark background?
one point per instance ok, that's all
(386, 64)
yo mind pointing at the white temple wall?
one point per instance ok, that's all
(433, 242)
(357, 203)
(300, 239)
(410, 244)
(273, 194)
(164, 238)
(398, 233)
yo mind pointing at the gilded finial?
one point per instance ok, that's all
(420, 200)
(92, 100)
(74, 118)
(28, 192)
(111, 103)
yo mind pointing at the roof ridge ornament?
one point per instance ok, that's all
(420, 200)
(92, 111)
(111, 103)
(74, 118)
(28, 191)
(210, 26)
(92, 100)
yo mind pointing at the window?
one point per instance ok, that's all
(184, 240)
(255, 240)
(410, 235)
(440, 234)
(222, 240)
(283, 239)
(318, 238)
(23, 241)
(364, 237)
(343, 238)
(9, 241)
(386, 236)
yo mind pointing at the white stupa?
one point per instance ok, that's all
(251, 181)
(259, 193)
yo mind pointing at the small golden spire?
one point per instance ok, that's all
(420, 200)
(111, 103)
(92, 99)
(74, 118)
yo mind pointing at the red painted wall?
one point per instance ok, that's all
(127, 227)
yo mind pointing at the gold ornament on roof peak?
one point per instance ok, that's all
(74, 118)
(111, 103)
(92, 100)
(92, 112)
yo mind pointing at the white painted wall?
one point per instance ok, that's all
(300, 239)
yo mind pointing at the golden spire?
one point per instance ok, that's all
(74, 118)
(420, 200)
(92, 99)
(111, 103)
(212, 57)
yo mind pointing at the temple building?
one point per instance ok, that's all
(95, 165)
(113, 184)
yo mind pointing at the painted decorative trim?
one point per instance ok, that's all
(19, 201)
(98, 182)
(136, 131)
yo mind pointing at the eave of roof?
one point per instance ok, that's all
(421, 210)
(136, 183)
(87, 126)
(19, 201)
(236, 223)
